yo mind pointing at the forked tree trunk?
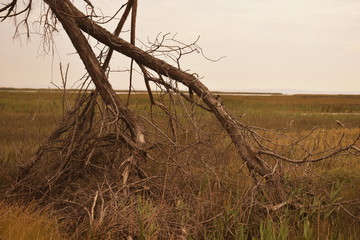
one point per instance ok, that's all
(107, 93)
(73, 20)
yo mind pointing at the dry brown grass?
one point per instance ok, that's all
(197, 187)
(25, 223)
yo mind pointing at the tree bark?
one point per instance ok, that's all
(70, 16)
(63, 13)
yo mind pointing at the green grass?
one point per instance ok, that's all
(304, 111)
(221, 207)
(26, 118)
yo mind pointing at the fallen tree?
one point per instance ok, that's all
(115, 145)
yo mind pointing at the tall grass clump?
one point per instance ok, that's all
(27, 223)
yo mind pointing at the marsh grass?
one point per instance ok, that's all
(210, 191)
(27, 223)
(304, 111)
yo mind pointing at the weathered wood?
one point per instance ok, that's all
(72, 19)
(63, 13)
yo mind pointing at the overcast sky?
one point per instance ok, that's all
(309, 45)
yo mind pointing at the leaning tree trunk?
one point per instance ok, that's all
(73, 20)
(107, 93)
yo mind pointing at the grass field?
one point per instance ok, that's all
(216, 212)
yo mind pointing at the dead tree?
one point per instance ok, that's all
(248, 142)
(236, 131)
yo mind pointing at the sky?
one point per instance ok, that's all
(309, 45)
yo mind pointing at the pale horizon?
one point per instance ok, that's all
(310, 46)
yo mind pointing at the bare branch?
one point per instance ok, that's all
(308, 158)
(11, 7)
